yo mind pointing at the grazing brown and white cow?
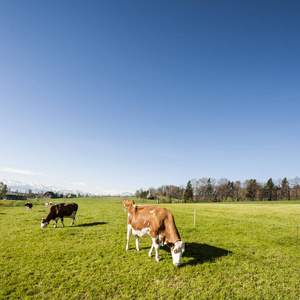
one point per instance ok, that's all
(48, 203)
(28, 206)
(158, 223)
(59, 211)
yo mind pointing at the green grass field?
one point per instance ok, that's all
(237, 251)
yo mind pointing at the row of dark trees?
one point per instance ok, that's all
(223, 190)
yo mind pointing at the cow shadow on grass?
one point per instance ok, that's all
(91, 224)
(201, 253)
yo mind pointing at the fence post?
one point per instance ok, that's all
(194, 218)
(297, 237)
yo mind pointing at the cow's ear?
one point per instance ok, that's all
(170, 245)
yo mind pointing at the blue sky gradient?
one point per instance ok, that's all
(121, 95)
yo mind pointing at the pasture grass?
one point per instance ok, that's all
(236, 251)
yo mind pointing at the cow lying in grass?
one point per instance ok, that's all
(158, 223)
(59, 211)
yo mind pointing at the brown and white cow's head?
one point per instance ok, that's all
(177, 251)
(128, 203)
(44, 223)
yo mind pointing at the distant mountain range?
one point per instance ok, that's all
(24, 187)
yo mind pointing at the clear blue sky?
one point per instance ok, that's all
(121, 95)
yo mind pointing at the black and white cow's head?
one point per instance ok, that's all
(44, 223)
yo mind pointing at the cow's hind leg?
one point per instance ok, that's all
(73, 218)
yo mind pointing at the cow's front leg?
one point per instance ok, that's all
(62, 222)
(155, 245)
(129, 230)
(55, 225)
(151, 249)
(137, 243)
(72, 223)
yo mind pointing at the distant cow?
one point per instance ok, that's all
(158, 223)
(28, 206)
(59, 211)
(48, 203)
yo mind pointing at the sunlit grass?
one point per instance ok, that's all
(237, 251)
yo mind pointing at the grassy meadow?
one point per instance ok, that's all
(236, 251)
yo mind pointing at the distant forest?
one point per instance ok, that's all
(224, 190)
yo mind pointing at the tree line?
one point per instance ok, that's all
(41, 194)
(3, 190)
(224, 190)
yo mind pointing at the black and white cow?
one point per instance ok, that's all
(28, 206)
(59, 211)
